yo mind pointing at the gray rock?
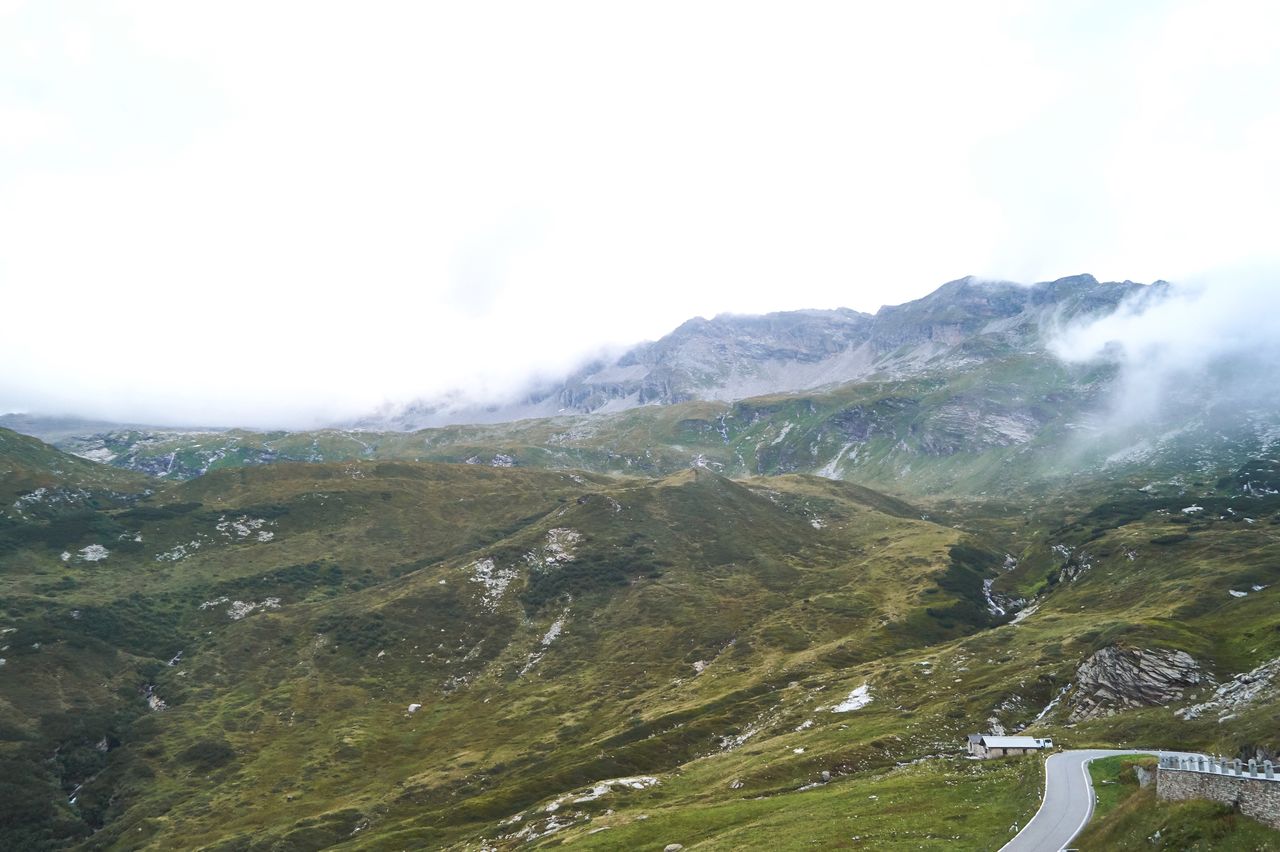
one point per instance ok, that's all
(1118, 678)
(1145, 776)
(1239, 692)
(672, 847)
(734, 357)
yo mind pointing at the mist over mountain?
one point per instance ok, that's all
(990, 376)
(1206, 343)
(731, 357)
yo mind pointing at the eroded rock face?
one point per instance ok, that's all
(1238, 693)
(1117, 678)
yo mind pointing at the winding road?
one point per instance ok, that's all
(1068, 800)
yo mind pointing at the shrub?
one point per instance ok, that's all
(207, 753)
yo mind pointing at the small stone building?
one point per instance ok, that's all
(989, 745)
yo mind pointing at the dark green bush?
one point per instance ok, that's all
(207, 753)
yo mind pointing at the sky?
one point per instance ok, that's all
(289, 213)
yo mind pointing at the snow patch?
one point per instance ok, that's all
(830, 470)
(100, 454)
(94, 553)
(553, 632)
(857, 699)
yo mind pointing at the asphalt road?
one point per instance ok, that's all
(1068, 800)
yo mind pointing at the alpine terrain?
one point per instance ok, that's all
(749, 586)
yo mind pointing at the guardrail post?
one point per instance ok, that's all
(1268, 770)
(1237, 766)
(1253, 769)
(1201, 763)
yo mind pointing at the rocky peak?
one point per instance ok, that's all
(731, 357)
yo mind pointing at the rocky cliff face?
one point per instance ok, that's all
(1118, 678)
(731, 357)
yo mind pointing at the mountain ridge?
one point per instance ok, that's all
(733, 356)
(736, 356)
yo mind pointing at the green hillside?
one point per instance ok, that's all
(762, 662)
(1008, 424)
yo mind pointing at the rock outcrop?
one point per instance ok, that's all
(1118, 678)
(1238, 693)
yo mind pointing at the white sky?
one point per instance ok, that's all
(275, 213)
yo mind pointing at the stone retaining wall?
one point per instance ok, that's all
(1257, 797)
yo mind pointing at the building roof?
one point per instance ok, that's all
(975, 738)
(1012, 742)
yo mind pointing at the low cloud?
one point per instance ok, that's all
(1211, 341)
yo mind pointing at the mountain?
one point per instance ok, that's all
(734, 357)
(34, 474)
(757, 622)
(993, 413)
(955, 391)
(52, 429)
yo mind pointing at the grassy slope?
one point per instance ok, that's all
(920, 426)
(27, 464)
(1128, 817)
(290, 726)
(746, 583)
(379, 557)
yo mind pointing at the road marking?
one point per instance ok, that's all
(1092, 799)
(1044, 794)
(1091, 796)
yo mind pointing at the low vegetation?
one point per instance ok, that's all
(1129, 816)
(395, 654)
